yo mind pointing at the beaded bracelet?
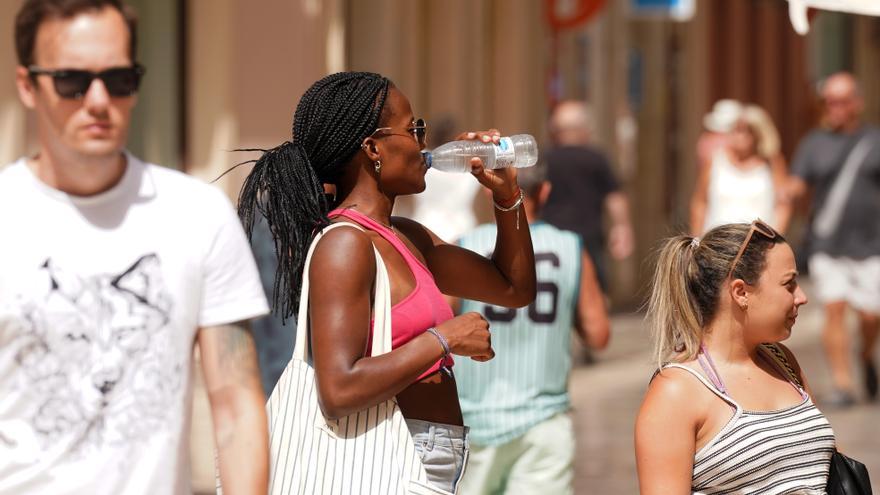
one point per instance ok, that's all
(515, 206)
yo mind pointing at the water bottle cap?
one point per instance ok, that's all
(426, 155)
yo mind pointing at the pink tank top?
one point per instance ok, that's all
(421, 309)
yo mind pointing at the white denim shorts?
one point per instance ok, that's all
(540, 461)
(443, 449)
(840, 279)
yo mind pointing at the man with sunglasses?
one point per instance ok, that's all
(111, 271)
(840, 163)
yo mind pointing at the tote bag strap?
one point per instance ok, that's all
(827, 218)
(381, 303)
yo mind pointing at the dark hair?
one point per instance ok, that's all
(531, 178)
(35, 12)
(286, 185)
(688, 280)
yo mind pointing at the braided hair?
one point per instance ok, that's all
(286, 185)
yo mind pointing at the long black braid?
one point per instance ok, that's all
(286, 185)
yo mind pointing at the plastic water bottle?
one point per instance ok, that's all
(514, 151)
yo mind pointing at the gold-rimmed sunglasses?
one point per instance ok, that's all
(760, 227)
(418, 130)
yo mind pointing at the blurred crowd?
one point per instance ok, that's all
(831, 179)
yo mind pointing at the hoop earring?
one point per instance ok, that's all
(378, 165)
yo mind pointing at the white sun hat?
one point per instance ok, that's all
(723, 115)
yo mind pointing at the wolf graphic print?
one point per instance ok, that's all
(95, 354)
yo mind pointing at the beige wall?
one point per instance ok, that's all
(478, 63)
(211, 125)
(481, 62)
(156, 127)
(867, 68)
(13, 123)
(249, 62)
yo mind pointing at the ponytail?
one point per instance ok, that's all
(284, 189)
(675, 321)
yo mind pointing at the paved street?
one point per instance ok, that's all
(606, 396)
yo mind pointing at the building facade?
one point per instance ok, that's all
(227, 74)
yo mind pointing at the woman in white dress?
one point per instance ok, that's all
(745, 179)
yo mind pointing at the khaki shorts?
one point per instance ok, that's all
(541, 461)
(839, 279)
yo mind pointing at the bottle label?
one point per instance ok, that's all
(504, 153)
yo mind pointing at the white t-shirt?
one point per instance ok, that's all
(100, 301)
(446, 206)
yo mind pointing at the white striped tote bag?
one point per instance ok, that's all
(370, 452)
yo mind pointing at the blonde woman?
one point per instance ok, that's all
(726, 412)
(745, 178)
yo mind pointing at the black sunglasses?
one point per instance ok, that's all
(75, 83)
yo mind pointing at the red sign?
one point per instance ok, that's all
(581, 12)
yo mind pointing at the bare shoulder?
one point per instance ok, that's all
(677, 392)
(674, 383)
(347, 233)
(343, 249)
(666, 432)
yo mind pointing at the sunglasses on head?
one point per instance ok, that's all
(75, 83)
(418, 130)
(758, 226)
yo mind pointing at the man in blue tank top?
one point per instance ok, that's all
(522, 439)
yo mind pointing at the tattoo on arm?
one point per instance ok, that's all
(236, 351)
(232, 379)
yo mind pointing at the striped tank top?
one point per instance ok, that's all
(787, 451)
